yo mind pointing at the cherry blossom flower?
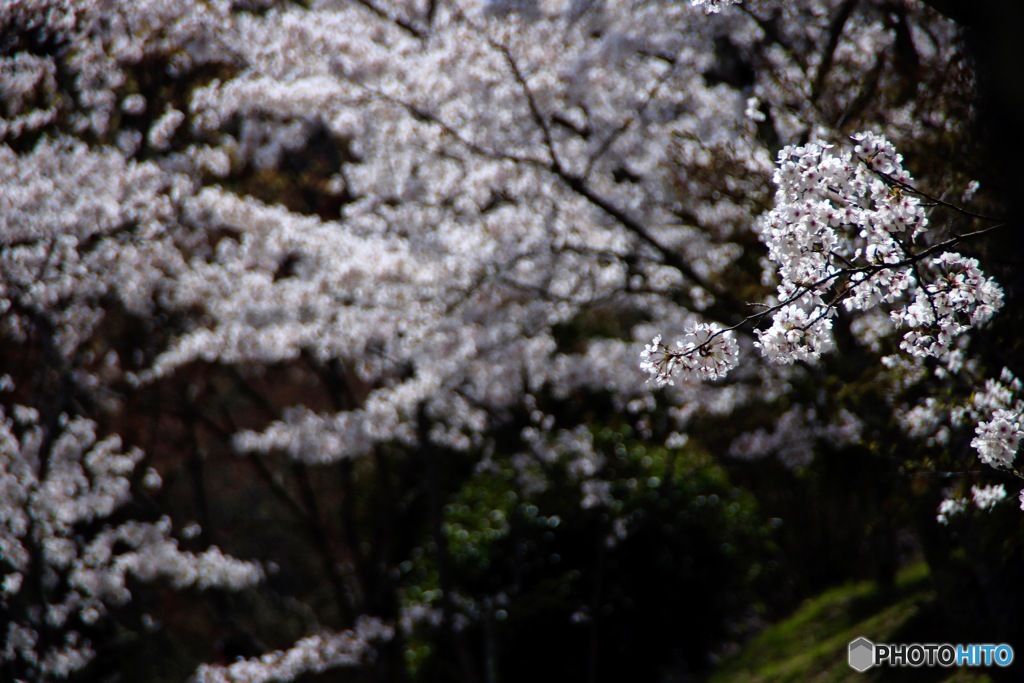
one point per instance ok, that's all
(706, 352)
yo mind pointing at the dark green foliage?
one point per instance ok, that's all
(552, 583)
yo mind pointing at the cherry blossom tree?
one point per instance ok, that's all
(366, 264)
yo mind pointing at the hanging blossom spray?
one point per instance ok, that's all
(847, 231)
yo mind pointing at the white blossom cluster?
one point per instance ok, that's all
(982, 497)
(706, 352)
(959, 298)
(713, 6)
(416, 613)
(80, 225)
(842, 231)
(927, 421)
(311, 655)
(101, 47)
(795, 436)
(949, 508)
(986, 497)
(51, 491)
(997, 439)
(572, 448)
(998, 412)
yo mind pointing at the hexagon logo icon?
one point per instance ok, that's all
(862, 654)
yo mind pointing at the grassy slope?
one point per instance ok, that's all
(811, 644)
